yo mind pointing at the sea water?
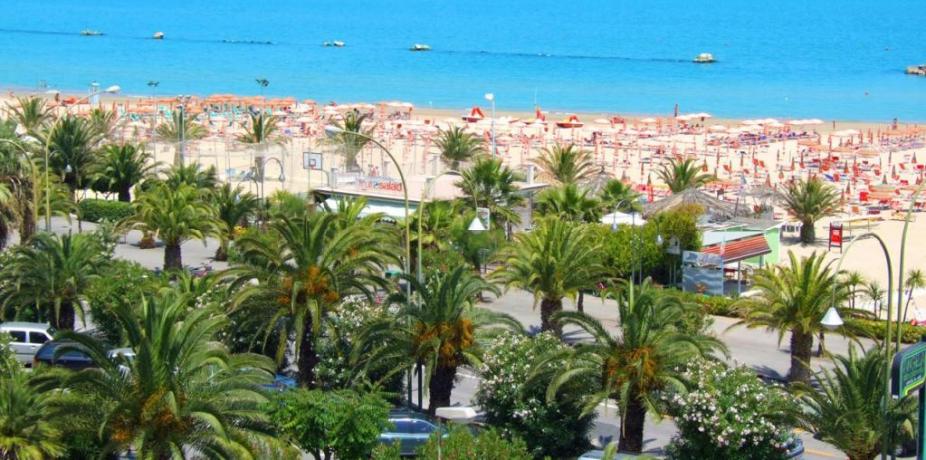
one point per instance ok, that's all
(833, 59)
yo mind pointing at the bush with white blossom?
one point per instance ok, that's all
(729, 413)
(513, 397)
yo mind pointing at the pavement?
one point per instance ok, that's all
(756, 348)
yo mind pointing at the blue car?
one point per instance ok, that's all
(411, 430)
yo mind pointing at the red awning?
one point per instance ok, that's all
(736, 250)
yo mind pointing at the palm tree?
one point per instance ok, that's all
(260, 132)
(179, 128)
(175, 215)
(17, 173)
(234, 206)
(875, 293)
(49, 277)
(307, 266)
(846, 410)
(618, 196)
(71, 143)
(565, 164)
(637, 365)
(916, 279)
(121, 168)
(568, 202)
(103, 122)
(809, 201)
(194, 175)
(347, 138)
(489, 183)
(439, 330)
(28, 428)
(681, 175)
(457, 146)
(182, 391)
(554, 261)
(853, 280)
(32, 113)
(794, 298)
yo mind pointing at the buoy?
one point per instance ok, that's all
(158, 36)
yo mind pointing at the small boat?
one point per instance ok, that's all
(158, 36)
(91, 33)
(917, 70)
(420, 47)
(334, 44)
(704, 58)
(572, 121)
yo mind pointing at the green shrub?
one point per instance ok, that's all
(94, 210)
(460, 444)
(711, 305)
(875, 329)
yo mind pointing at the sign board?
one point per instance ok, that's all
(835, 238)
(701, 258)
(311, 160)
(908, 372)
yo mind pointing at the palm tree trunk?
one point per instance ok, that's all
(65, 318)
(27, 229)
(147, 240)
(125, 194)
(440, 387)
(808, 233)
(173, 258)
(221, 254)
(801, 351)
(631, 439)
(547, 308)
(307, 359)
(580, 303)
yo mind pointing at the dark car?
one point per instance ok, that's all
(411, 430)
(49, 355)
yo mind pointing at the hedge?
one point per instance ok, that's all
(875, 329)
(95, 210)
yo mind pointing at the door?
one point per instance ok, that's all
(36, 339)
(19, 343)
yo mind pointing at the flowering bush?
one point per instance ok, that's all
(513, 394)
(729, 413)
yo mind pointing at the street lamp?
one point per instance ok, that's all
(491, 98)
(261, 167)
(332, 131)
(183, 100)
(831, 320)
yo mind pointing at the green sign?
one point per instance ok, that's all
(909, 370)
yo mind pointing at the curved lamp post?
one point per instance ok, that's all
(261, 168)
(491, 98)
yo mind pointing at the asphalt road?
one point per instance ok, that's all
(756, 348)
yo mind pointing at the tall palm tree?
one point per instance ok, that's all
(458, 146)
(554, 261)
(876, 294)
(681, 175)
(179, 128)
(175, 215)
(28, 428)
(194, 175)
(568, 202)
(639, 363)
(916, 279)
(234, 207)
(307, 266)
(618, 196)
(17, 172)
(489, 183)
(565, 164)
(809, 201)
(8, 216)
(121, 167)
(183, 391)
(439, 329)
(853, 280)
(49, 277)
(261, 132)
(348, 140)
(103, 122)
(72, 142)
(846, 409)
(793, 298)
(31, 112)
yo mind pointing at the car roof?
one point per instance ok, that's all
(24, 325)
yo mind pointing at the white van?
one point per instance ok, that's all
(26, 338)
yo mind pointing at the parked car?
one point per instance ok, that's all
(795, 448)
(26, 338)
(599, 454)
(48, 355)
(411, 429)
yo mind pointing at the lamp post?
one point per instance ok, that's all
(491, 98)
(181, 141)
(261, 167)
(332, 131)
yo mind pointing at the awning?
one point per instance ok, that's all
(737, 250)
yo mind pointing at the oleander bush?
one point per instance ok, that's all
(96, 210)
(461, 444)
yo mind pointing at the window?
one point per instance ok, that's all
(423, 427)
(38, 337)
(18, 336)
(403, 426)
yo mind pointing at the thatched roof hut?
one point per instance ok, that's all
(717, 209)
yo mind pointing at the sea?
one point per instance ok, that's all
(830, 59)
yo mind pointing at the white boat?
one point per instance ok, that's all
(158, 36)
(704, 58)
(334, 44)
(90, 33)
(420, 47)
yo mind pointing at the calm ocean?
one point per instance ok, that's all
(840, 59)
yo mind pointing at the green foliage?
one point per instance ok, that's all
(29, 428)
(627, 249)
(516, 404)
(96, 210)
(178, 128)
(122, 284)
(352, 136)
(810, 201)
(568, 202)
(877, 329)
(457, 146)
(328, 424)
(712, 305)
(490, 184)
(387, 452)
(71, 142)
(728, 413)
(680, 175)
(565, 164)
(461, 444)
(120, 167)
(261, 129)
